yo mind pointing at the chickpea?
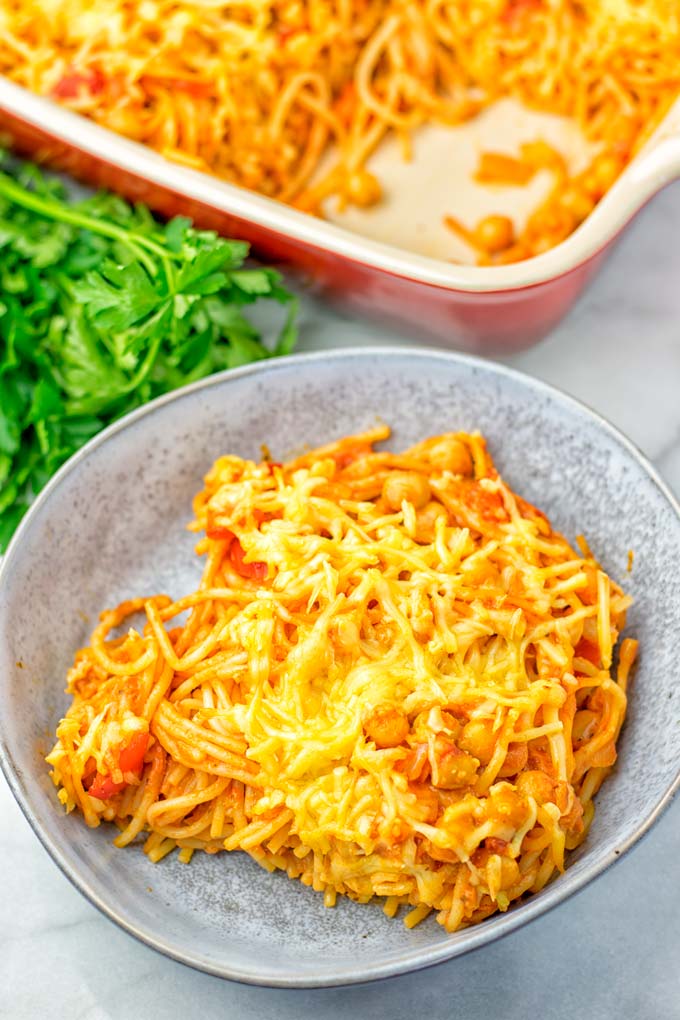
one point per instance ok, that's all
(507, 806)
(515, 760)
(451, 454)
(602, 173)
(426, 521)
(428, 802)
(408, 486)
(509, 872)
(453, 725)
(386, 726)
(539, 758)
(551, 223)
(455, 768)
(578, 202)
(494, 233)
(363, 189)
(398, 831)
(515, 253)
(541, 155)
(536, 784)
(509, 869)
(478, 739)
(543, 244)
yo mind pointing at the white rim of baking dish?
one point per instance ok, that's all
(487, 931)
(656, 165)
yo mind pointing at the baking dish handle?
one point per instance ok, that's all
(657, 165)
(659, 161)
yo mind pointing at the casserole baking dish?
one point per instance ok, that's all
(486, 309)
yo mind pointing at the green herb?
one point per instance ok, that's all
(103, 308)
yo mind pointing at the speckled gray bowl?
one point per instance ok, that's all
(111, 524)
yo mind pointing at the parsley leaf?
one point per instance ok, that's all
(102, 308)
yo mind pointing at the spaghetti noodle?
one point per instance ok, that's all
(395, 680)
(258, 91)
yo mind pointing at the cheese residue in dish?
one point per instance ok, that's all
(292, 98)
(395, 679)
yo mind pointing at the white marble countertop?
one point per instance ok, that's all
(610, 952)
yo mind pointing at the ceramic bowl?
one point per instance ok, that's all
(112, 524)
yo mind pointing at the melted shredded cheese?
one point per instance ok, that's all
(394, 681)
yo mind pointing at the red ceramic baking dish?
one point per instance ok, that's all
(484, 309)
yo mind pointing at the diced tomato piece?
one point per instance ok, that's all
(516, 8)
(132, 756)
(286, 32)
(75, 82)
(489, 505)
(589, 650)
(197, 89)
(218, 532)
(104, 787)
(529, 511)
(499, 168)
(257, 570)
(495, 845)
(131, 759)
(262, 516)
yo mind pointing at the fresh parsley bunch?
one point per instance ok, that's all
(103, 308)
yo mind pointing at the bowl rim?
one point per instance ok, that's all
(419, 957)
(657, 163)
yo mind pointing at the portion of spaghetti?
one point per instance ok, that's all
(394, 680)
(258, 91)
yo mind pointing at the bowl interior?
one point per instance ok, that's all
(112, 525)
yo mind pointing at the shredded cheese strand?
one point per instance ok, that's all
(385, 685)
